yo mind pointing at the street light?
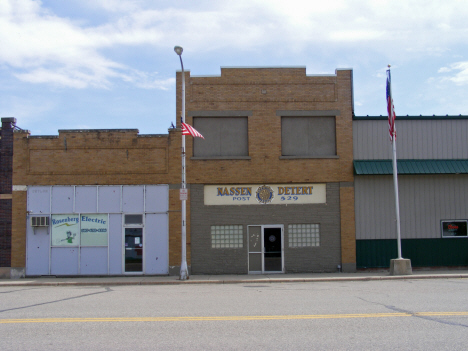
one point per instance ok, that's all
(183, 266)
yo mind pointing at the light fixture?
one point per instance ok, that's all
(178, 50)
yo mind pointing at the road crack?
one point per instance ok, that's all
(106, 290)
(415, 314)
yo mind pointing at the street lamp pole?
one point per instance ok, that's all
(183, 266)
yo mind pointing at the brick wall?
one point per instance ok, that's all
(6, 164)
(263, 92)
(287, 89)
(324, 258)
(96, 157)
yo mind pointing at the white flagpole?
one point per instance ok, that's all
(183, 265)
(395, 185)
(395, 170)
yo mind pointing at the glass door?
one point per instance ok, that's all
(265, 249)
(134, 250)
(272, 254)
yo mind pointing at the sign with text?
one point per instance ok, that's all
(276, 194)
(183, 193)
(94, 229)
(455, 228)
(65, 230)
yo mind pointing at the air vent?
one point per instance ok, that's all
(42, 221)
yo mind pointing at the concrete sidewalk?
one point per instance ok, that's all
(232, 279)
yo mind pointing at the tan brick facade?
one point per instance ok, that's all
(123, 157)
(286, 89)
(96, 157)
(18, 243)
(263, 92)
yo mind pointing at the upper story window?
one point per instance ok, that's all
(225, 137)
(308, 136)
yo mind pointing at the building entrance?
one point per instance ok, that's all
(265, 249)
(134, 250)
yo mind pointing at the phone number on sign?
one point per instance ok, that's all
(282, 198)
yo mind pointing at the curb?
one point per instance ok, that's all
(236, 281)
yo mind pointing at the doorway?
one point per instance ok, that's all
(265, 249)
(133, 250)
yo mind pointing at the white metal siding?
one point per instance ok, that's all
(416, 139)
(424, 201)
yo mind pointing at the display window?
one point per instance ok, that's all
(79, 230)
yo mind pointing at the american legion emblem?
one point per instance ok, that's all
(264, 194)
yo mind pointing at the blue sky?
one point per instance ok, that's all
(100, 64)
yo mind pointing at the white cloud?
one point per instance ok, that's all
(42, 47)
(461, 77)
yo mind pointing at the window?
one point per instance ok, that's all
(227, 236)
(80, 229)
(94, 229)
(134, 219)
(225, 137)
(302, 235)
(308, 136)
(454, 229)
(66, 230)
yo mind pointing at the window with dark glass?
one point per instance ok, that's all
(224, 137)
(308, 136)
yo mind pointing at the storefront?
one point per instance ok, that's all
(271, 184)
(97, 230)
(265, 228)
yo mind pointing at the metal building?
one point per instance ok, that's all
(432, 154)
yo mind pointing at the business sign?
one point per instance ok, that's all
(456, 228)
(65, 230)
(75, 230)
(94, 229)
(265, 194)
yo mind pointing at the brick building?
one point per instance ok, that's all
(271, 187)
(96, 202)
(272, 182)
(6, 164)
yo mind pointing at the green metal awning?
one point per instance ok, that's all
(367, 167)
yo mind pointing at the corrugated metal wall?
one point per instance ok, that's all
(416, 139)
(425, 200)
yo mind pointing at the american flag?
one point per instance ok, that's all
(187, 129)
(390, 108)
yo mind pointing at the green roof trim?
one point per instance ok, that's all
(382, 167)
(400, 117)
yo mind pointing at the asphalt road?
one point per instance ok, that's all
(365, 315)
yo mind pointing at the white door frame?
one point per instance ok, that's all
(262, 248)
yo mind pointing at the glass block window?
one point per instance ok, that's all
(227, 236)
(302, 235)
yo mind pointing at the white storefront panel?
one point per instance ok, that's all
(80, 230)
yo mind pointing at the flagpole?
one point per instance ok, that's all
(392, 129)
(398, 266)
(183, 266)
(397, 200)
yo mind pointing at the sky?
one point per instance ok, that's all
(105, 64)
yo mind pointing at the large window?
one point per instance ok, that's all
(80, 230)
(308, 136)
(227, 236)
(225, 137)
